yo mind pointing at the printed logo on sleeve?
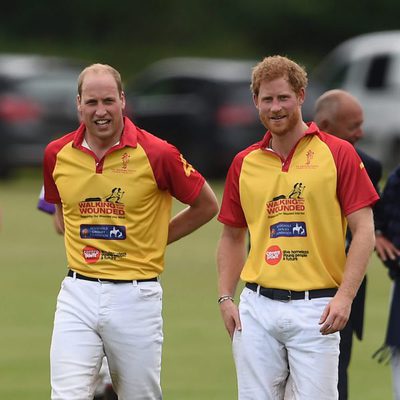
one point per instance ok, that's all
(186, 166)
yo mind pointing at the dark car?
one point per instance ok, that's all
(37, 104)
(202, 106)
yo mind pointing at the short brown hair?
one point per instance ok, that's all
(274, 67)
(100, 68)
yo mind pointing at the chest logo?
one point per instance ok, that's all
(273, 255)
(125, 159)
(288, 229)
(105, 232)
(109, 205)
(292, 203)
(308, 162)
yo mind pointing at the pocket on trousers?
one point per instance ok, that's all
(151, 292)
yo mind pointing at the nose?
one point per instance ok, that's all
(100, 110)
(276, 105)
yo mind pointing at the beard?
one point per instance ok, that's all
(283, 127)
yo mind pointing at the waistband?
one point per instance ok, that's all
(287, 295)
(74, 274)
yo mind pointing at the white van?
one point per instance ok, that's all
(368, 66)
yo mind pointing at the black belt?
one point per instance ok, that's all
(286, 295)
(73, 274)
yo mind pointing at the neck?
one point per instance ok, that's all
(283, 144)
(100, 146)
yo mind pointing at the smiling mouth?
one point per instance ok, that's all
(102, 122)
(277, 118)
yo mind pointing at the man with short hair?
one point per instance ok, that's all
(339, 113)
(299, 285)
(110, 176)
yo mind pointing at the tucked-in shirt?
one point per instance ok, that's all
(117, 209)
(295, 209)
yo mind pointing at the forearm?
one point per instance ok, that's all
(231, 256)
(360, 250)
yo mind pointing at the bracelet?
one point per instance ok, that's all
(224, 298)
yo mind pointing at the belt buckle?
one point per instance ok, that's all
(288, 298)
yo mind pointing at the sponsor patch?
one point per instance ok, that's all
(288, 229)
(92, 255)
(273, 255)
(106, 232)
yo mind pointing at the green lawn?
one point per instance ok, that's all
(197, 361)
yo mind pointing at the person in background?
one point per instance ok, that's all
(112, 184)
(388, 250)
(339, 113)
(104, 389)
(294, 191)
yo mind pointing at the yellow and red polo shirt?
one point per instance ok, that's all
(295, 209)
(117, 209)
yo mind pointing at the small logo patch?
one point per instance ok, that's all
(273, 255)
(106, 232)
(288, 229)
(91, 254)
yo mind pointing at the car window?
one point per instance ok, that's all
(49, 89)
(239, 93)
(377, 72)
(338, 76)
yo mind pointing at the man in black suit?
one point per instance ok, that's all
(339, 113)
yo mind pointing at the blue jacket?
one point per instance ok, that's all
(387, 220)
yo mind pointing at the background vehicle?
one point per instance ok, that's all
(202, 106)
(37, 104)
(368, 66)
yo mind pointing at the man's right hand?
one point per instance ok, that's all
(230, 315)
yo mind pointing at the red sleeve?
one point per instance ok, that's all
(354, 189)
(231, 212)
(50, 157)
(171, 171)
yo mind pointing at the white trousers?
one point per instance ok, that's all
(279, 338)
(121, 321)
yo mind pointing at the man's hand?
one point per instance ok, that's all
(230, 315)
(336, 314)
(385, 249)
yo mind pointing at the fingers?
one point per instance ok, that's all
(324, 315)
(230, 315)
(334, 317)
(334, 326)
(385, 249)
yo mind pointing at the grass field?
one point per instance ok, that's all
(197, 362)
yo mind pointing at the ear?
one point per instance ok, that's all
(123, 100)
(78, 102)
(301, 96)
(255, 100)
